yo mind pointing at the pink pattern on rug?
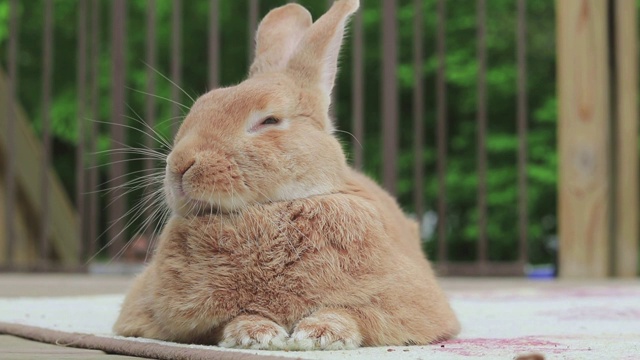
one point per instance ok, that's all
(591, 292)
(549, 293)
(484, 346)
(594, 313)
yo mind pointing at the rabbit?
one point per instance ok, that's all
(274, 241)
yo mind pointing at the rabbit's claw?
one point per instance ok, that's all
(254, 332)
(325, 331)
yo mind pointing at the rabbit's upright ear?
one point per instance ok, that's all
(278, 36)
(316, 58)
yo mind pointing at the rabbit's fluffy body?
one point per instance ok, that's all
(275, 243)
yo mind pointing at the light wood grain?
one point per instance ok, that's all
(25, 251)
(63, 214)
(583, 138)
(626, 140)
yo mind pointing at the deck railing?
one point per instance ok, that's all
(597, 147)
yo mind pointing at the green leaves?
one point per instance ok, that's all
(461, 77)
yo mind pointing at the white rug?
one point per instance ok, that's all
(573, 322)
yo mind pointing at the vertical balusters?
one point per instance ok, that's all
(92, 231)
(389, 94)
(418, 110)
(441, 132)
(47, 72)
(80, 148)
(176, 64)
(521, 55)
(214, 44)
(117, 201)
(481, 119)
(10, 161)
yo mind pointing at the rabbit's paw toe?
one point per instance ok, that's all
(326, 331)
(254, 332)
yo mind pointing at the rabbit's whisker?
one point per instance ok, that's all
(159, 97)
(159, 138)
(156, 175)
(353, 136)
(120, 162)
(169, 80)
(179, 117)
(133, 187)
(126, 126)
(138, 214)
(164, 213)
(134, 209)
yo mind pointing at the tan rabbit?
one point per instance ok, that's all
(274, 242)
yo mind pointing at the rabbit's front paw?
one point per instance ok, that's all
(326, 330)
(254, 332)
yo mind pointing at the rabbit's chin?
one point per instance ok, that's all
(197, 208)
(187, 206)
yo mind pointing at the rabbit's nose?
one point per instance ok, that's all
(183, 168)
(179, 170)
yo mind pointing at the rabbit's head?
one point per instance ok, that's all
(268, 138)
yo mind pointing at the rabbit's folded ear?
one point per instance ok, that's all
(316, 58)
(278, 36)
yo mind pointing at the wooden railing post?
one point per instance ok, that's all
(583, 138)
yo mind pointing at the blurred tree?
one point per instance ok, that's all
(461, 78)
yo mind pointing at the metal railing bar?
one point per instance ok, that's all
(254, 8)
(521, 55)
(80, 148)
(150, 101)
(441, 131)
(47, 72)
(10, 161)
(418, 111)
(176, 61)
(92, 231)
(481, 150)
(214, 44)
(389, 95)
(117, 160)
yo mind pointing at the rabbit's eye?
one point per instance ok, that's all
(270, 121)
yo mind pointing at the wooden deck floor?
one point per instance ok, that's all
(14, 348)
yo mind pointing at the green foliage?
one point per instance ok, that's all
(461, 76)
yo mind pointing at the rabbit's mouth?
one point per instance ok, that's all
(187, 204)
(202, 208)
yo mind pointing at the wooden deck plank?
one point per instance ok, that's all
(15, 348)
(583, 138)
(20, 285)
